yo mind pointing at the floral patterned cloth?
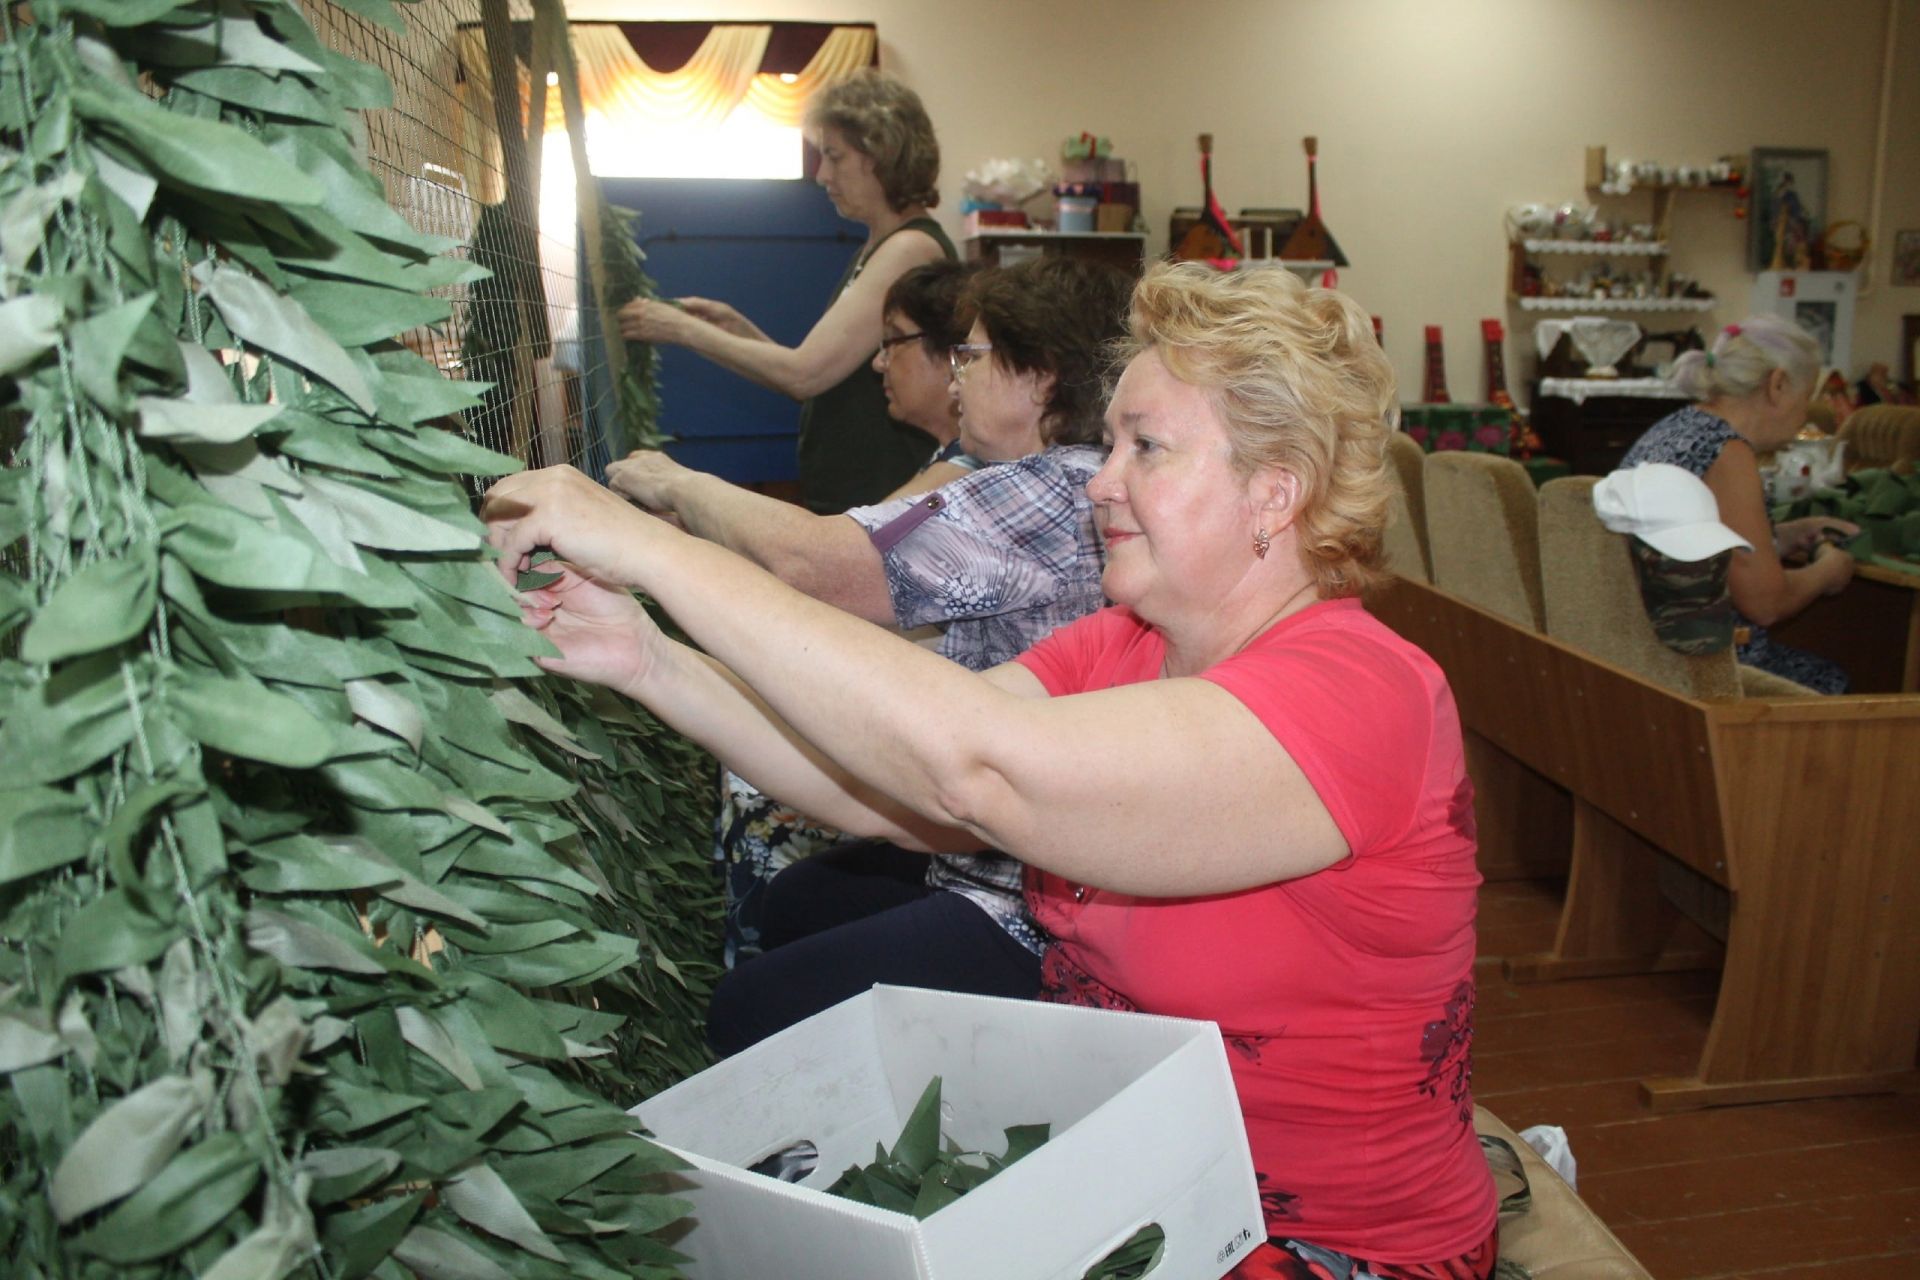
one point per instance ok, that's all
(1280, 1259)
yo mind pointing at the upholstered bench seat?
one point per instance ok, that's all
(1558, 1237)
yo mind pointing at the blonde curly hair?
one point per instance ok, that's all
(1301, 384)
(882, 118)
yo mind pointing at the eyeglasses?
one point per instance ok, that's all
(888, 344)
(963, 355)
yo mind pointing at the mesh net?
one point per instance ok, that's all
(441, 153)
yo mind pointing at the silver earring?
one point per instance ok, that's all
(1261, 542)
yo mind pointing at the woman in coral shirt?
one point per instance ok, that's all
(1239, 797)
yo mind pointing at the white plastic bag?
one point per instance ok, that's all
(1550, 1141)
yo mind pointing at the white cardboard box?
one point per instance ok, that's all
(1146, 1129)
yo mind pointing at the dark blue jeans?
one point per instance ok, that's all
(841, 921)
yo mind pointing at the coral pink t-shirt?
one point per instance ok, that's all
(1345, 997)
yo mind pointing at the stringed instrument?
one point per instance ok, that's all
(1311, 241)
(1211, 238)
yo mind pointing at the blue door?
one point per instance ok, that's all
(772, 248)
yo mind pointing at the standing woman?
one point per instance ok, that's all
(880, 164)
(1753, 388)
(1240, 797)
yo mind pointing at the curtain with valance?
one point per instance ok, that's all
(733, 63)
(726, 70)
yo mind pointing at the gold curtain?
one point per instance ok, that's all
(846, 50)
(723, 73)
(614, 82)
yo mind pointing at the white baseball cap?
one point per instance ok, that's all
(1668, 508)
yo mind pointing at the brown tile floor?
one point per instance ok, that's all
(1823, 1190)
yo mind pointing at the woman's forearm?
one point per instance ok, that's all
(700, 698)
(882, 709)
(828, 557)
(791, 371)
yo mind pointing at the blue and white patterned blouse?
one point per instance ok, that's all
(1000, 558)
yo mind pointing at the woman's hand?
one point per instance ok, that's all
(1798, 537)
(583, 523)
(720, 315)
(1834, 564)
(651, 320)
(646, 476)
(604, 635)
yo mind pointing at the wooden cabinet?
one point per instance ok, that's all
(1592, 434)
(1126, 250)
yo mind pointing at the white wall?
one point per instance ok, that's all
(1432, 119)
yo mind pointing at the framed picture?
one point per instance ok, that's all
(1906, 257)
(1789, 210)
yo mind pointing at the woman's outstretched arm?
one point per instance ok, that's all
(1163, 789)
(842, 340)
(828, 557)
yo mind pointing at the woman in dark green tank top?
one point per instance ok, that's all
(880, 165)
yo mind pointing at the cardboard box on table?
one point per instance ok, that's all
(1146, 1129)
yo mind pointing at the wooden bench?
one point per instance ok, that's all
(1806, 810)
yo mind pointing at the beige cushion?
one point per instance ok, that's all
(1882, 435)
(1558, 1238)
(1483, 529)
(1405, 539)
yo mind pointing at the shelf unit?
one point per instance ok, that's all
(1617, 304)
(1523, 253)
(1003, 246)
(1599, 248)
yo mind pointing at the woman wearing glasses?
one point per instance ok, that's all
(756, 837)
(921, 321)
(880, 165)
(997, 559)
(1239, 796)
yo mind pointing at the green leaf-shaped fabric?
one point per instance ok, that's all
(26, 1040)
(181, 150)
(482, 1197)
(245, 718)
(339, 1172)
(100, 606)
(29, 327)
(40, 829)
(114, 931)
(60, 726)
(440, 1255)
(306, 944)
(128, 1143)
(164, 418)
(357, 314)
(196, 1190)
(280, 325)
